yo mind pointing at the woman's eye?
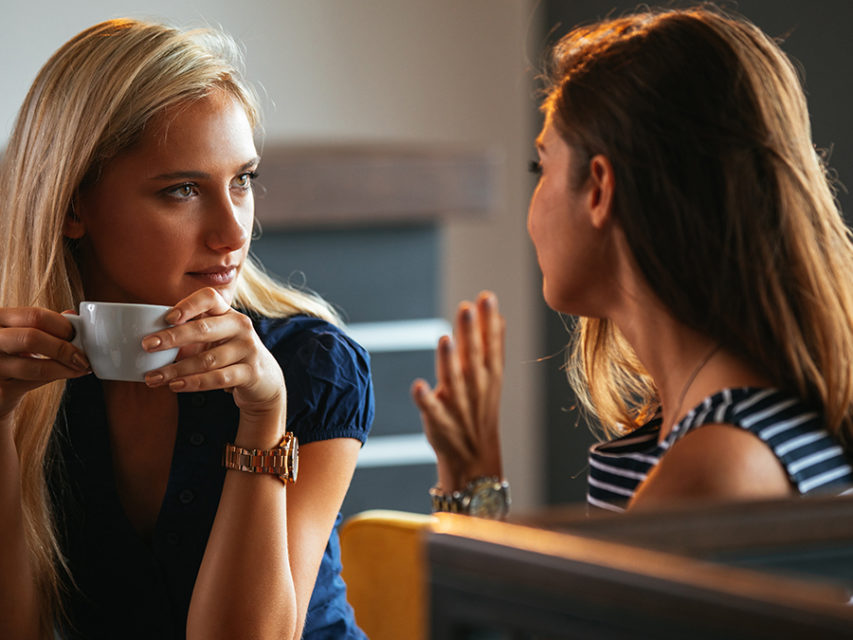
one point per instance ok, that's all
(244, 180)
(535, 167)
(182, 191)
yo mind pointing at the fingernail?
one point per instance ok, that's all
(446, 345)
(173, 316)
(151, 342)
(153, 379)
(80, 362)
(176, 385)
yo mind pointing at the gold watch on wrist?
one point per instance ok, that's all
(483, 497)
(282, 460)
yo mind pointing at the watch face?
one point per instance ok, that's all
(294, 459)
(489, 501)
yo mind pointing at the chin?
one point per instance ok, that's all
(556, 303)
(569, 306)
(228, 292)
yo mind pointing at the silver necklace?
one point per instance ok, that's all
(690, 380)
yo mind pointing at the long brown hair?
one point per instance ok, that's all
(89, 102)
(724, 201)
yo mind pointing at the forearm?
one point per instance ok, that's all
(19, 615)
(245, 586)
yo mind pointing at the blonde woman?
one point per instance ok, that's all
(128, 178)
(683, 212)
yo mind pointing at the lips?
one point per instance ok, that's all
(216, 276)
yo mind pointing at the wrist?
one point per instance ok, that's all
(7, 433)
(7, 416)
(7, 421)
(260, 430)
(282, 460)
(273, 403)
(455, 476)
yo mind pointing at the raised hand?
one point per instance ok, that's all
(34, 350)
(461, 415)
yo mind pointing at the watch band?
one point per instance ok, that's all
(484, 497)
(282, 460)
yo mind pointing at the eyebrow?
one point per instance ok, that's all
(201, 175)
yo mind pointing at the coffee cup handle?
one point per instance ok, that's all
(76, 322)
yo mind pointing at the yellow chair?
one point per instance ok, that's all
(385, 570)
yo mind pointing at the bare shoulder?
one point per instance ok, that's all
(717, 462)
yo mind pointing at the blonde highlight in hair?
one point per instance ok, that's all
(599, 352)
(92, 100)
(726, 205)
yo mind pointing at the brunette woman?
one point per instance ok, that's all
(683, 214)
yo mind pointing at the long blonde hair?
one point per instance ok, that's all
(724, 201)
(90, 101)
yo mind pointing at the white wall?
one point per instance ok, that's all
(424, 71)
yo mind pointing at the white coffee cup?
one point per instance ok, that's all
(110, 334)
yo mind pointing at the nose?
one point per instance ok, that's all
(230, 224)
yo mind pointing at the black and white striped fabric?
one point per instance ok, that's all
(814, 460)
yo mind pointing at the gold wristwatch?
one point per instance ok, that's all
(483, 497)
(282, 460)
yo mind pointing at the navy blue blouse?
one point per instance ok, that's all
(134, 588)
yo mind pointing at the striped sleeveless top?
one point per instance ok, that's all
(812, 457)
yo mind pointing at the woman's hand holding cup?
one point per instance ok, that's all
(219, 349)
(35, 350)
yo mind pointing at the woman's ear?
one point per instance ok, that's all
(72, 226)
(600, 192)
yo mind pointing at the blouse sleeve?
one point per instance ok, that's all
(327, 375)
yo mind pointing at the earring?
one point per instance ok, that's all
(257, 230)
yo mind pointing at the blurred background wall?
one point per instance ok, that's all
(442, 73)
